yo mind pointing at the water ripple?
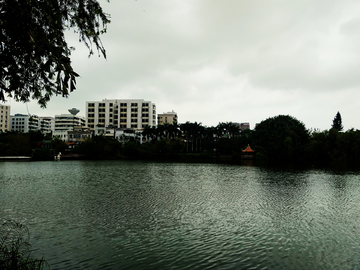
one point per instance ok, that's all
(148, 215)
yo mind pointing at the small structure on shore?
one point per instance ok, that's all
(248, 153)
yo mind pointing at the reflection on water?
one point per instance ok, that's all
(112, 215)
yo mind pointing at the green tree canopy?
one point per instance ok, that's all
(337, 122)
(34, 55)
(281, 137)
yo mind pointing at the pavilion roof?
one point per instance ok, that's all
(248, 150)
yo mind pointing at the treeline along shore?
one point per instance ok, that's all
(277, 140)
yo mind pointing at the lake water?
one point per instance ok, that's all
(150, 215)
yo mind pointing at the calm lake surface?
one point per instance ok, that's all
(149, 215)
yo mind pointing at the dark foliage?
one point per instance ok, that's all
(15, 249)
(281, 138)
(337, 122)
(334, 149)
(34, 55)
(100, 147)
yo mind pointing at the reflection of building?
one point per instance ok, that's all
(120, 113)
(169, 117)
(67, 122)
(4, 118)
(25, 123)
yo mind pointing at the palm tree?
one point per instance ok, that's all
(193, 132)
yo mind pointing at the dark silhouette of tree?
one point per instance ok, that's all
(337, 122)
(193, 133)
(34, 55)
(228, 130)
(281, 138)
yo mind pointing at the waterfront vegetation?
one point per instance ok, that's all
(277, 140)
(15, 248)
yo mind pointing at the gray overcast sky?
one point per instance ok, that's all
(217, 61)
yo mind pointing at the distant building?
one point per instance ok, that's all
(50, 126)
(79, 134)
(4, 118)
(169, 117)
(244, 126)
(26, 123)
(67, 122)
(120, 114)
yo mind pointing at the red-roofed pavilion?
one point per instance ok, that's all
(248, 153)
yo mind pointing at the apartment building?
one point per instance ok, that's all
(244, 126)
(26, 123)
(47, 124)
(67, 122)
(120, 113)
(4, 118)
(169, 117)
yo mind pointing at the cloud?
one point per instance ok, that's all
(216, 61)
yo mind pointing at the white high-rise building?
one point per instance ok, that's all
(67, 122)
(47, 124)
(4, 118)
(121, 113)
(25, 123)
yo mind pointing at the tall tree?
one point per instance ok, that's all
(282, 137)
(337, 122)
(34, 55)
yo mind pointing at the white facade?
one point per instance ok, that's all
(47, 124)
(4, 118)
(121, 113)
(65, 123)
(25, 123)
